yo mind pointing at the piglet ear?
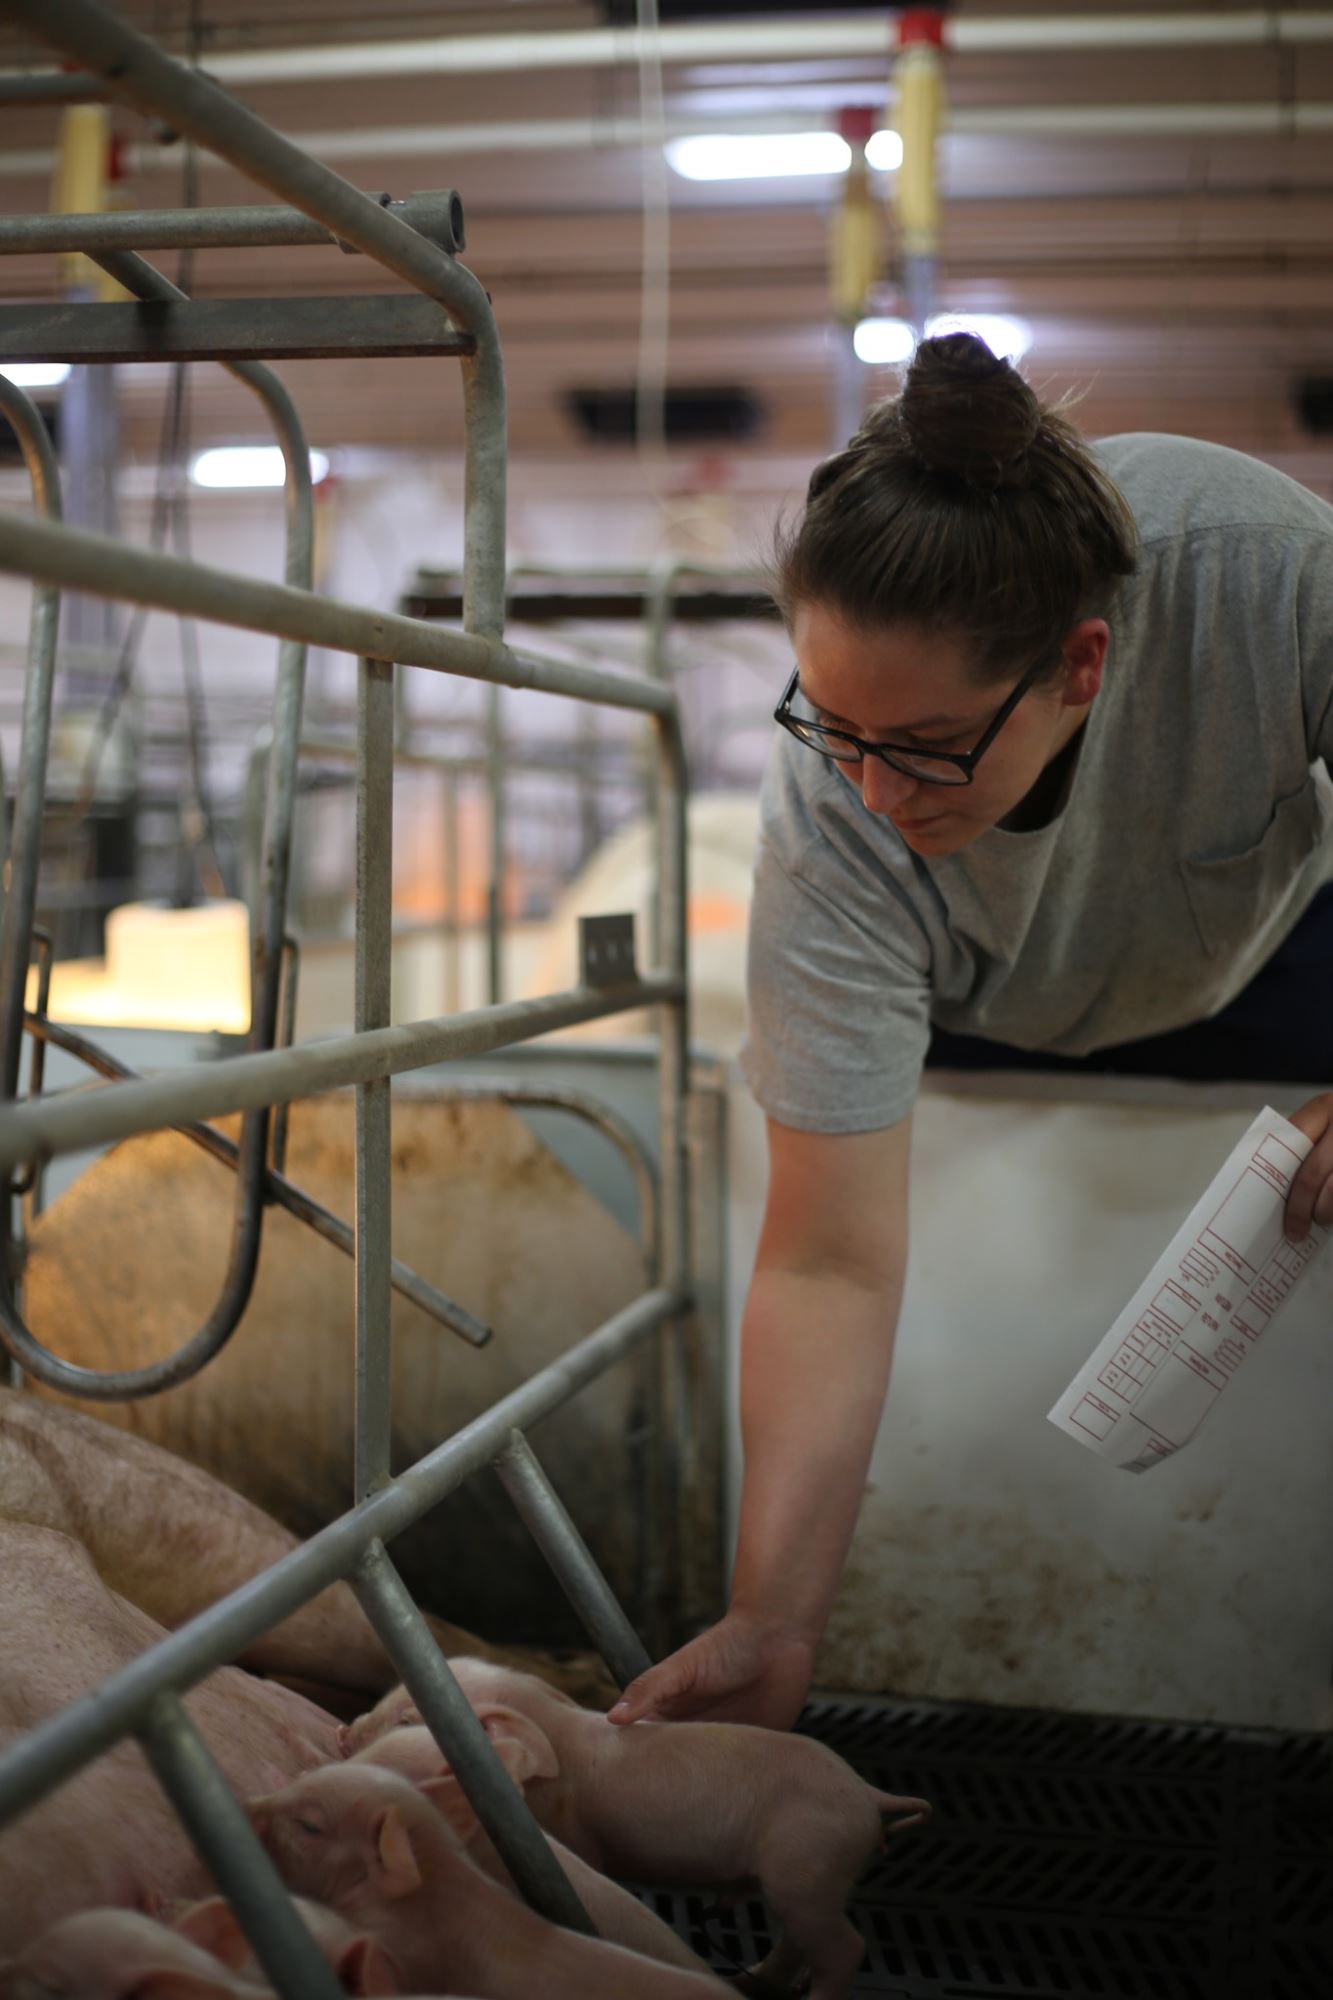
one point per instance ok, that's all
(451, 1802)
(397, 1864)
(521, 1744)
(213, 1926)
(344, 1740)
(364, 1967)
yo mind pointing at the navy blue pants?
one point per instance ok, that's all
(1279, 1029)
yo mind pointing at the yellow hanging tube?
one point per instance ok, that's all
(918, 76)
(856, 228)
(79, 187)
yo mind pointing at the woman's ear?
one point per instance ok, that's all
(1084, 655)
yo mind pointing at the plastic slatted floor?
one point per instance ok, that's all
(1077, 1858)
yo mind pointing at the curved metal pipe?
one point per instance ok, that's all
(30, 787)
(140, 74)
(449, 1314)
(620, 1133)
(266, 966)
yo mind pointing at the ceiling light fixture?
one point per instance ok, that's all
(749, 156)
(882, 343)
(1006, 336)
(884, 151)
(249, 465)
(35, 374)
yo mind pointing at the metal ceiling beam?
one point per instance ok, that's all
(231, 330)
(743, 41)
(765, 41)
(1263, 118)
(437, 216)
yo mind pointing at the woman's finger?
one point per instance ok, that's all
(654, 1694)
(1308, 1200)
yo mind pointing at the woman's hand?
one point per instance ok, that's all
(1311, 1197)
(740, 1670)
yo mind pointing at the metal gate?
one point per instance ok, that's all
(447, 313)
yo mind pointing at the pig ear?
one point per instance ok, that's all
(364, 1967)
(397, 1864)
(451, 1802)
(214, 1927)
(522, 1746)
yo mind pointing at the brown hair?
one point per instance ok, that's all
(962, 505)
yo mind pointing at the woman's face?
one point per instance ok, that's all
(901, 685)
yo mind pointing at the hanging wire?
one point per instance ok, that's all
(170, 515)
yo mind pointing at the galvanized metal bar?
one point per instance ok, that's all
(544, 1515)
(50, 87)
(140, 74)
(57, 1747)
(105, 567)
(342, 750)
(675, 1418)
(262, 329)
(239, 1083)
(495, 778)
(277, 1188)
(23, 837)
(137, 72)
(453, 897)
(269, 925)
(617, 1130)
(216, 1823)
(24, 855)
(374, 912)
(291, 974)
(436, 215)
(491, 1792)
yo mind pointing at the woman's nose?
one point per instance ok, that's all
(884, 790)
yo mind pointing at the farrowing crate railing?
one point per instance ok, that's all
(144, 1699)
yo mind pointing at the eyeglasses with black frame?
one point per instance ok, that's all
(928, 767)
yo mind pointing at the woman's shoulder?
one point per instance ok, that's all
(1179, 486)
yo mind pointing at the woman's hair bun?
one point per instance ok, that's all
(965, 412)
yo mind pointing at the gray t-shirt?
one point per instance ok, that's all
(1193, 834)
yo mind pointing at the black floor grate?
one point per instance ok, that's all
(1077, 1858)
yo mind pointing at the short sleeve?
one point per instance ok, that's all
(839, 1011)
(1314, 621)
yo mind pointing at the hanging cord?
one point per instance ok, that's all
(655, 284)
(170, 514)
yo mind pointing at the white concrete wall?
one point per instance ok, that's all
(997, 1561)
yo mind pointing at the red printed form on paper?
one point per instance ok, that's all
(1208, 1299)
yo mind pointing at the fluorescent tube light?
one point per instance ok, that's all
(882, 342)
(723, 156)
(35, 374)
(242, 465)
(1006, 336)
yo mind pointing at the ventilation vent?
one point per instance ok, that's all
(693, 416)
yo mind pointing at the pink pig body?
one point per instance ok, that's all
(109, 1836)
(119, 1955)
(618, 1916)
(366, 1842)
(695, 1802)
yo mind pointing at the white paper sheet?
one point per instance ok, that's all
(1210, 1297)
